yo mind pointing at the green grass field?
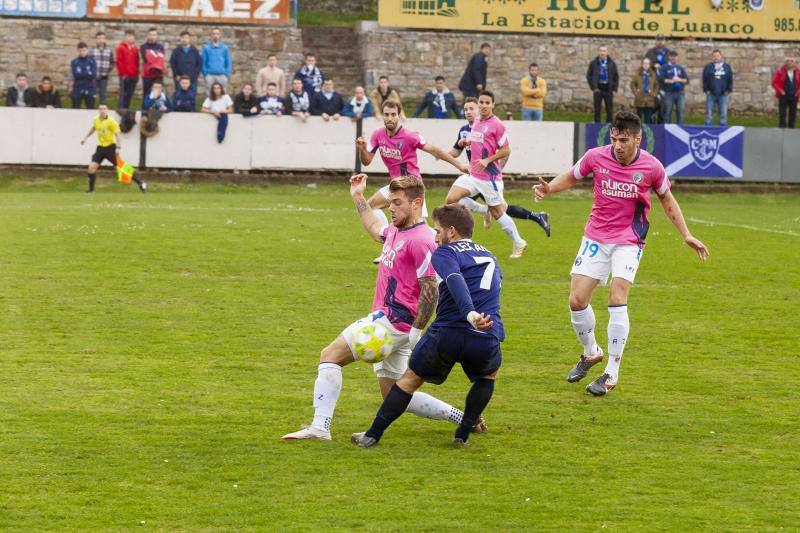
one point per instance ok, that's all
(154, 348)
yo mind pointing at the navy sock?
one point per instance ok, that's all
(516, 211)
(477, 399)
(92, 177)
(393, 406)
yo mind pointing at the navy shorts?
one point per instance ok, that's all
(441, 348)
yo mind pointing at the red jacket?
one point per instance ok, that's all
(128, 60)
(780, 79)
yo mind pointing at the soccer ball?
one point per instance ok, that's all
(373, 342)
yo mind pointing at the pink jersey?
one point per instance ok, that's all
(486, 138)
(621, 194)
(406, 256)
(399, 152)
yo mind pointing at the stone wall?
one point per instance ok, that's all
(413, 58)
(45, 47)
(340, 6)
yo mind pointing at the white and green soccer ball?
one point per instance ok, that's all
(373, 342)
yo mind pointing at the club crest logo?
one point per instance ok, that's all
(757, 4)
(704, 148)
(398, 246)
(638, 177)
(578, 261)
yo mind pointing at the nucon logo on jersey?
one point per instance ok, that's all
(389, 254)
(391, 153)
(476, 136)
(619, 189)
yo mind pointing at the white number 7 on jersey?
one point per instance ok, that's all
(486, 280)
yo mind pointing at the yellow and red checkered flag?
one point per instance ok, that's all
(124, 171)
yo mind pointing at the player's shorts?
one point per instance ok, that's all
(597, 260)
(385, 193)
(393, 366)
(440, 348)
(109, 153)
(492, 191)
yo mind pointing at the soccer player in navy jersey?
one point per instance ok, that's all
(467, 330)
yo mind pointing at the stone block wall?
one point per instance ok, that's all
(45, 47)
(413, 58)
(340, 6)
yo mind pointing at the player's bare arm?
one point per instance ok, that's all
(118, 141)
(438, 153)
(358, 184)
(428, 296)
(502, 153)
(673, 211)
(454, 152)
(365, 155)
(562, 182)
(91, 131)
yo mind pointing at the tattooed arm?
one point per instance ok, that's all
(358, 185)
(428, 296)
(675, 215)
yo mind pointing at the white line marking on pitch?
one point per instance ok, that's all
(171, 208)
(744, 226)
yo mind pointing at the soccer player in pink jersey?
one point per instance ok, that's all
(614, 238)
(398, 148)
(488, 147)
(405, 298)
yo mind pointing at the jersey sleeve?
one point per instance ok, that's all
(661, 183)
(583, 167)
(421, 253)
(372, 145)
(421, 142)
(445, 262)
(502, 135)
(384, 232)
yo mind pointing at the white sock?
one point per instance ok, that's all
(507, 223)
(474, 206)
(381, 216)
(426, 406)
(326, 394)
(618, 328)
(583, 323)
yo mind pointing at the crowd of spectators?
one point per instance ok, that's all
(658, 84)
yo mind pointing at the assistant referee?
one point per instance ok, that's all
(108, 145)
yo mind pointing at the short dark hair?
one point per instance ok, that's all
(130, 32)
(470, 100)
(246, 84)
(310, 54)
(185, 32)
(272, 84)
(392, 105)
(19, 74)
(673, 53)
(98, 34)
(82, 45)
(439, 77)
(184, 77)
(158, 82)
(455, 216)
(411, 186)
(627, 121)
(533, 65)
(272, 55)
(152, 29)
(717, 51)
(485, 45)
(47, 78)
(490, 94)
(383, 78)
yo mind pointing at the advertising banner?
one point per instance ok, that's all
(771, 20)
(714, 152)
(599, 134)
(235, 11)
(44, 8)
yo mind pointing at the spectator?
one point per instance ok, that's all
(298, 103)
(270, 74)
(310, 75)
(644, 86)
(84, 78)
(157, 99)
(473, 81)
(216, 61)
(603, 79)
(271, 103)
(787, 90)
(46, 95)
(19, 94)
(153, 61)
(220, 105)
(717, 84)
(246, 102)
(327, 103)
(533, 89)
(127, 68)
(185, 98)
(185, 61)
(439, 101)
(104, 58)
(659, 54)
(673, 79)
(358, 106)
(383, 93)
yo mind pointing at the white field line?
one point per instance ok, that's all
(169, 207)
(744, 226)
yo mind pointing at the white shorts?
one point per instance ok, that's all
(492, 191)
(393, 366)
(385, 193)
(598, 261)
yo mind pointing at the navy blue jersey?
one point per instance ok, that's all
(470, 280)
(463, 135)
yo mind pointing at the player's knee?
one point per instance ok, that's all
(578, 302)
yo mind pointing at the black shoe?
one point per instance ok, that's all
(362, 440)
(544, 222)
(459, 443)
(143, 186)
(601, 385)
(580, 370)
